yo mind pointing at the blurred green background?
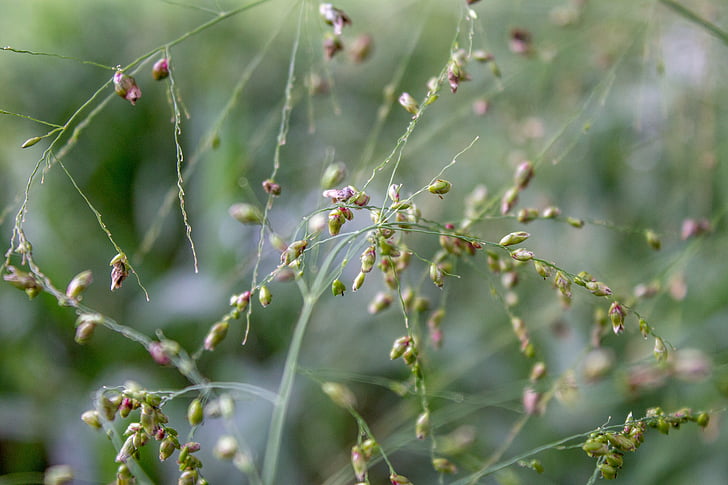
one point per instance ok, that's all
(619, 104)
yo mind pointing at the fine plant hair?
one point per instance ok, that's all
(409, 242)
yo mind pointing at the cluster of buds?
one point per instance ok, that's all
(338, 19)
(23, 281)
(348, 195)
(406, 348)
(609, 447)
(456, 69)
(458, 244)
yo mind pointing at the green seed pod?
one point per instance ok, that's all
(246, 213)
(422, 425)
(443, 465)
(340, 394)
(436, 275)
(195, 412)
(645, 329)
(84, 332)
(358, 281)
(621, 442)
(440, 187)
(333, 175)
(595, 447)
(166, 448)
(574, 222)
(264, 296)
(188, 477)
(608, 472)
(92, 418)
(514, 238)
(526, 215)
(702, 419)
(30, 142)
(368, 258)
(336, 220)
(216, 334)
(653, 240)
(124, 476)
(338, 287)
(551, 212)
(615, 459)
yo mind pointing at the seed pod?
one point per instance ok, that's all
(264, 296)
(160, 70)
(653, 240)
(216, 334)
(195, 412)
(521, 254)
(551, 212)
(399, 346)
(436, 275)
(368, 257)
(422, 425)
(440, 187)
(381, 302)
(271, 187)
(574, 222)
(92, 418)
(443, 465)
(523, 175)
(358, 281)
(246, 213)
(399, 479)
(510, 198)
(226, 447)
(358, 462)
(30, 142)
(340, 394)
(78, 284)
(660, 351)
(338, 287)
(616, 314)
(336, 220)
(514, 238)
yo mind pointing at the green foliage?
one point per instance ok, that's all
(457, 240)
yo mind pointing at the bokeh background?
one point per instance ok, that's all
(621, 106)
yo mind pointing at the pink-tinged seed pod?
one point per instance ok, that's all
(399, 346)
(78, 284)
(216, 335)
(616, 314)
(510, 199)
(523, 175)
(358, 462)
(160, 70)
(126, 87)
(409, 103)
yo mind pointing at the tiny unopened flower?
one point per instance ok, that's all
(596, 446)
(653, 240)
(126, 451)
(358, 462)
(293, 251)
(645, 329)
(340, 195)
(510, 199)
(368, 258)
(332, 45)
(334, 16)
(264, 296)
(271, 187)
(616, 315)
(440, 187)
(92, 418)
(30, 142)
(84, 331)
(399, 479)
(246, 213)
(409, 103)
(159, 353)
(526, 215)
(563, 284)
(436, 275)
(598, 288)
(167, 447)
(608, 471)
(523, 175)
(160, 69)
(381, 302)
(522, 254)
(338, 287)
(358, 281)
(615, 459)
(574, 222)
(109, 406)
(702, 419)
(124, 476)
(694, 227)
(443, 465)
(188, 477)
(226, 447)
(620, 442)
(78, 284)
(126, 87)
(514, 238)
(551, 212)
(240, 301)
(340, 394)
(541, 268)
(422, 425)
(538, 371)
(361, 49)
(660, 351)
(531, 401)
(333, 175)
(216, 334)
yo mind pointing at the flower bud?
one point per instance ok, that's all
(30, 142)
(124, 476)
(241, 301)
(358, 462)
(368, 257)
(358, 281)
(264, 296)
(160, 69)
(340, 394)
(523, 175)
(381, 302)
(526, 215)
(621, 442)
(333, 175)
(226, 447)
(293, 251)
(22, 280)
(436, 275)
(336, 220)
(616, 314)
(510, 198)
(399, 479)
(538, 371)
(338, 287)
(443, 465)
(574, 222)
(598, 288)
(246, 213)
(596, 447)
(58, 475)
(126, 87)
(92, 418)
(551, 212)
(702, 419)
(332, 44)
(521, 254)
(78, 284)
(653, 240)
(422, 425)
(84, 331)
(167, 447)
(126, 451)
(216, 334)
(660, 351)
(409, 103)
(440, 187)
(608, 471)
(119, 270)
(361, 48)
(514, 238)
(399, 346)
